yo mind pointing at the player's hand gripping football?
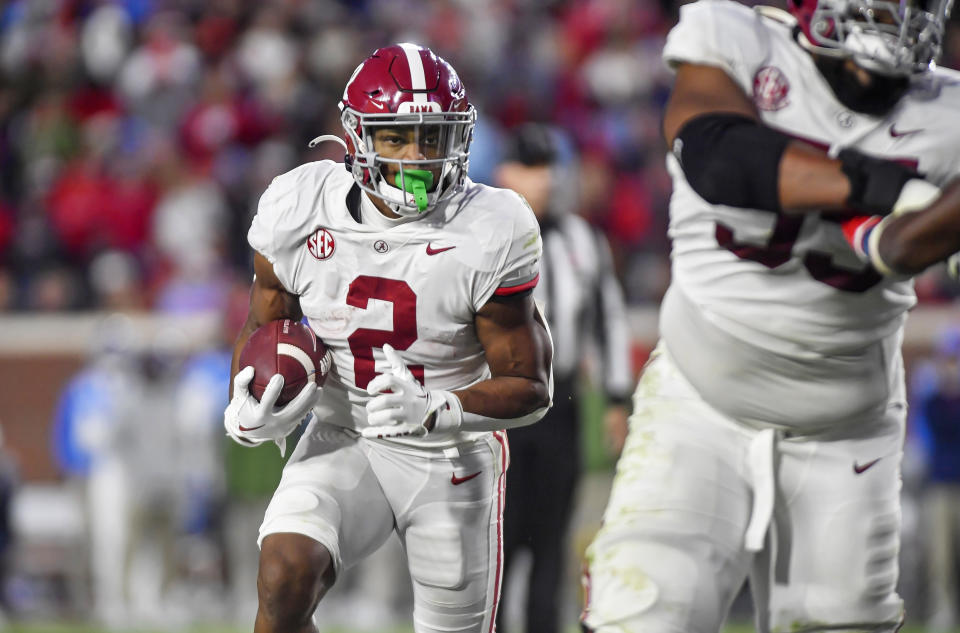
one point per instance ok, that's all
(408, 408)
(250, 422)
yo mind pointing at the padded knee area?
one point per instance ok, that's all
(299, 501)
(651, 582)
(620, 588)
(301, 510)
(436, 556)
(882, 567)
(855, 592)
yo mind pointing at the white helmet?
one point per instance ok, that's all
(888, 38)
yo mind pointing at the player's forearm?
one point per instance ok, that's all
(811, 181)
(503, 402)
(505, 398)
(915, 241)
(269, 300)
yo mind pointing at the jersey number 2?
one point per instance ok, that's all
(404, 332)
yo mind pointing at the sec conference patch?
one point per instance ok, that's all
(321, 244)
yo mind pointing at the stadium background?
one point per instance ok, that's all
(136, 137)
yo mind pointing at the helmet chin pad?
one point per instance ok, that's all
(416, 182)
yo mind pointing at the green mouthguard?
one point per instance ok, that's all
(416, 181)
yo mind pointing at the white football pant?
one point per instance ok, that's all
(446, 505)
(699, 503)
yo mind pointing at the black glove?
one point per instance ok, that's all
(875, 183)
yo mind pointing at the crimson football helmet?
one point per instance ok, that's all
(883, 36)
(409, 88)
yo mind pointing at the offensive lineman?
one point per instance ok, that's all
(768, 425)
(419, 282)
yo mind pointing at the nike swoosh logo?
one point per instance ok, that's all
(434, 251)
(252, 428)
(456, 481)
(860, 468)
(897, 134)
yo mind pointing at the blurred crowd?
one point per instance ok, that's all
(137, 135)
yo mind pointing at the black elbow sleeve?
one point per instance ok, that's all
(731, 159)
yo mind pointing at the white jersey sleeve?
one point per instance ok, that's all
(514, 248)
(927, 124)
(284, 217)
(719, 33)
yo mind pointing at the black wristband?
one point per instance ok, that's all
(875, 184)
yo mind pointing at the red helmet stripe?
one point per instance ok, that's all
(418, 79)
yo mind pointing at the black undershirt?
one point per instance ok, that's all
(353, 203)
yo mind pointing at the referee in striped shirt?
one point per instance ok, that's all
(584, 307)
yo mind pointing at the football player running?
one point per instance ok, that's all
(419, 282)
(807, 156)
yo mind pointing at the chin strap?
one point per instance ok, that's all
(395, 198)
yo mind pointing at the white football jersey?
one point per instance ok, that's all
(416, 285)
(791, 284)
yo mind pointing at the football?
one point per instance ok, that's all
(289, 348)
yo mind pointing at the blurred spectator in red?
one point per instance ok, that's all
(220, 118)
(98, 203)
(7, 227)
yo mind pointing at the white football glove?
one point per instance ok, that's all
(406, 410)
(251, 423)
(953, 266)
(917, 194)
